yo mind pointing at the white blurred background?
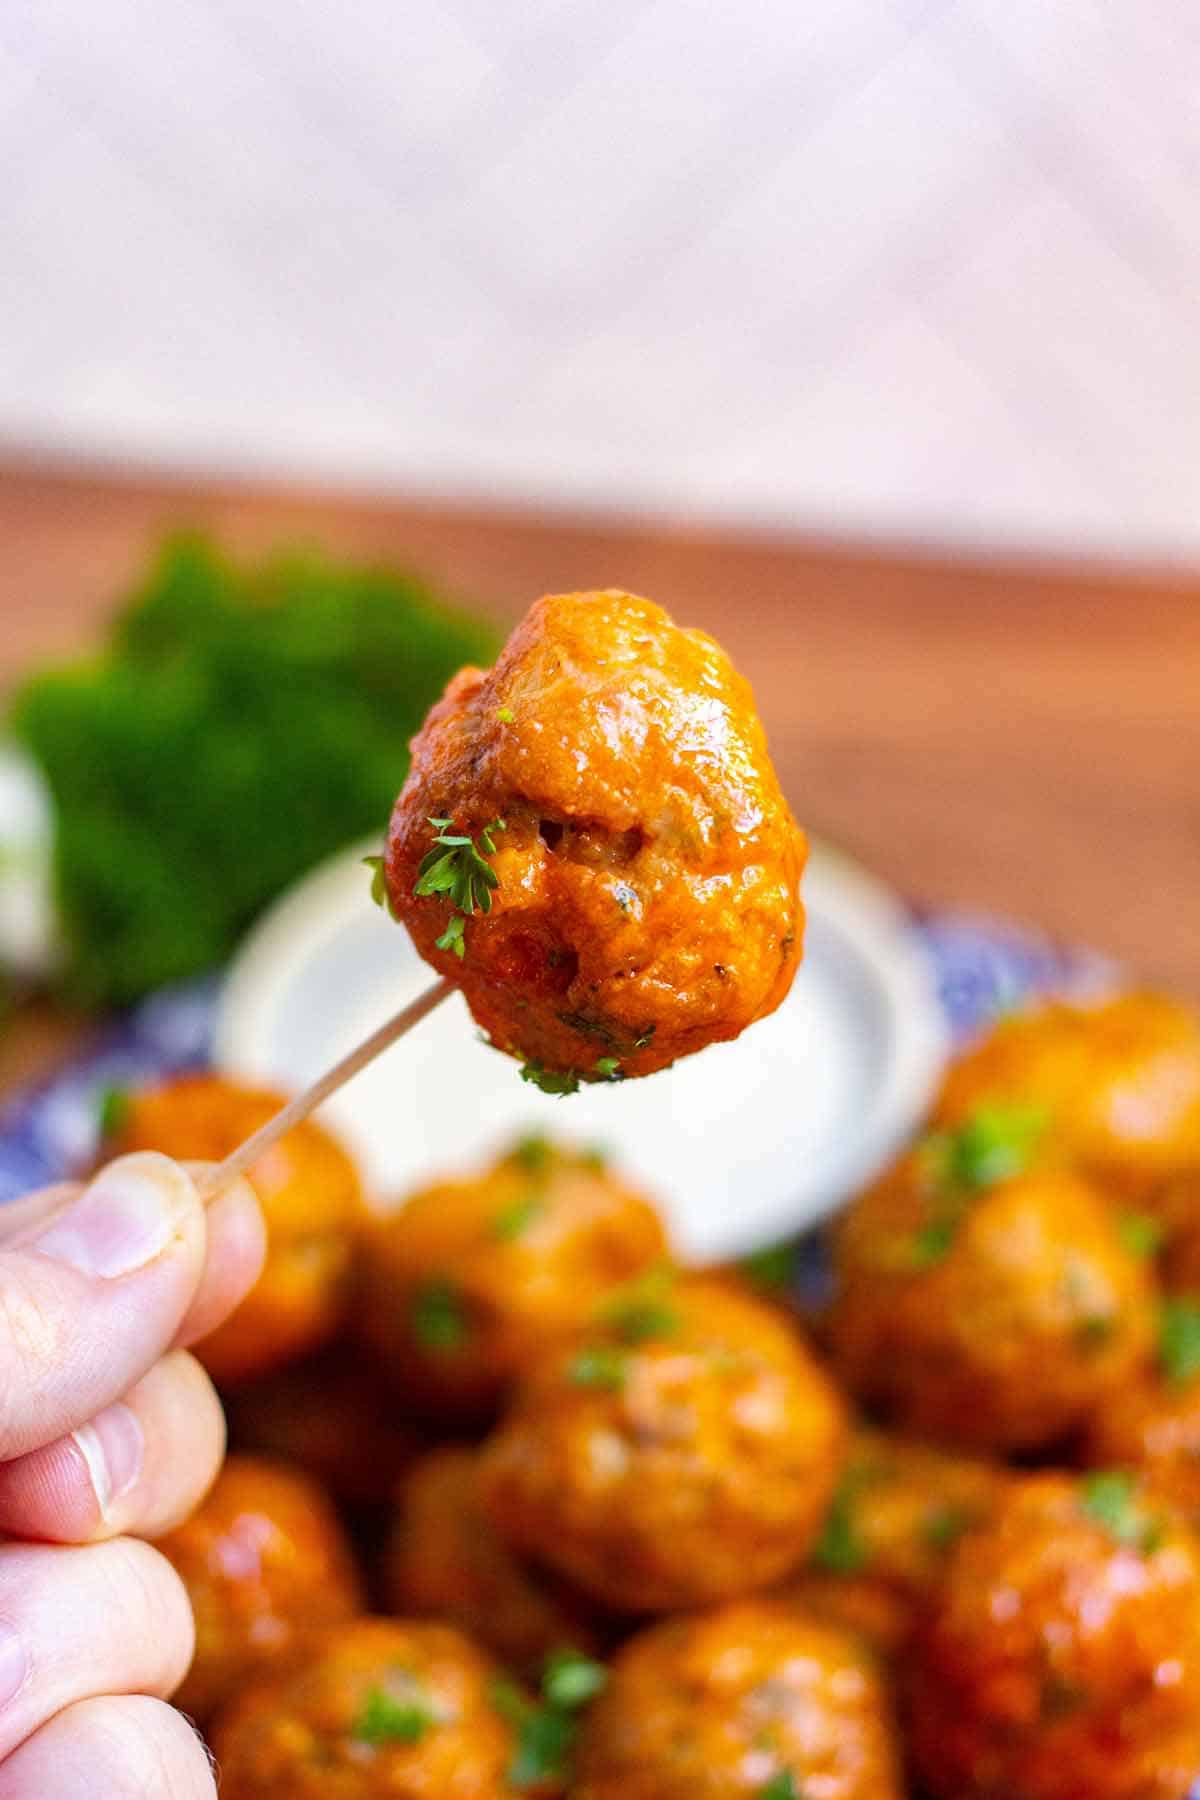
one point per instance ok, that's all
(915, 267)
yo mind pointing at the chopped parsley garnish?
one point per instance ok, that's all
(379, 887)
(608, 1068)
(769, 1270)
(511, 1221)
(112, 1110)
(385, 1719)
(1110, 1499)
(840, 1550)
(992, 1144)
(1179, 1341)
(944, 1525)
(457, 866)
(599, 1366)
(781, 1787)
(1141, 1235)
(551, 1081)
(1096, 1330)
(571, 1679)
(933, 1241)
(546, 1729)
(438, 1317)
(452, 938)
(505, 715)
(534, 1152)
(642, 1309)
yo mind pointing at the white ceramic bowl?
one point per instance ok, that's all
(744, 1144)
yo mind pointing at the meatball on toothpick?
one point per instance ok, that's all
(592, 844)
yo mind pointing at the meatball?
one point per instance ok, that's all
(309, 1192)
(593, 845)
(682, 1451)
(982, 1306)
(332, 1415)
(1062, 1658)
(466, 1283)
(732, 1703)
(900, 1508)
(265, 1563)
(380, 1709)
(446, 1559)
(1153, 1422)
(1119, 1084)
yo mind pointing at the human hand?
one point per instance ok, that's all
(109, 1432)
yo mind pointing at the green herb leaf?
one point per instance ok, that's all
(992, 1144)
(512, 1221)
(608, 1067)
(1095, 1330)
(452, 938)
(641, 1309)
(505, 715)
(112, 1110)
(379, 887)
(1141, 1235)
(933, 1242)
(438, 1318)
(551, 1081)
(781, 1787)
(1110, 1498)
(1179, 1341)
(599, 1366)
(385, 1719)
(571, 1679)
(840, 1550)
(545, 1736)
(457, 866)
(534, 1152)
(944, 1525)
(769, 1270)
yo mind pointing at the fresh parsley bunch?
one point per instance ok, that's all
(242, 724)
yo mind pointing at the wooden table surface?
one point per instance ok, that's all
(1016, 737)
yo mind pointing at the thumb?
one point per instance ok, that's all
(91, 1297)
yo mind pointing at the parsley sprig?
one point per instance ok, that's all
(457, 867)
(546, 1729)
(643, 1308)
(781, 1787)
(439, 1318)
(1110, 1499)
(600, 1366)
(388, 1718)
(841, 1549)
(1179, 1341)
(993, 1144)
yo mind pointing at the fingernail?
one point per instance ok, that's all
(14, 1665)
(123, 1219)
(113, 1448)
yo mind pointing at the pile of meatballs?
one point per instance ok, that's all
(518, 1505)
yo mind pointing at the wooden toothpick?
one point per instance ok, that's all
(388, 1033)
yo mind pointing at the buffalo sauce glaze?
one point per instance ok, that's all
(648, 865)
